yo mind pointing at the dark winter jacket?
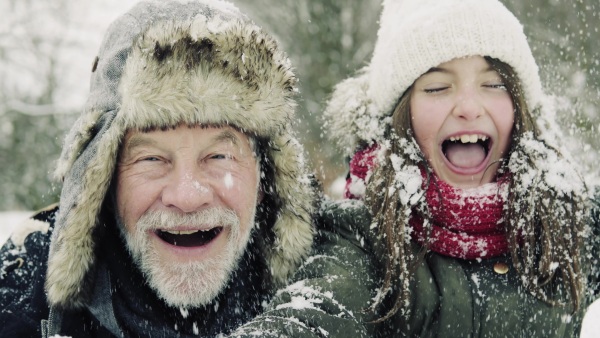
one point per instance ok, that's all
(326, 297)
(162, 65)
(120, 294)
(468, 298)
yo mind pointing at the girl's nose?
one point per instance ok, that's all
(468, 105)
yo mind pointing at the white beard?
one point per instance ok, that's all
(189, 284)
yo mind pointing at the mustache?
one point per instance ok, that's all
(203, 219)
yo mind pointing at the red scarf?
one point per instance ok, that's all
(361, 163)
(466, 223)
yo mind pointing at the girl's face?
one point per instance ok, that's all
(462, 116)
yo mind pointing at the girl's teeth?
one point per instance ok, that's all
(468, 138)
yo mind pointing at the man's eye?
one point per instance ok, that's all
(150, 159)
(220, 156)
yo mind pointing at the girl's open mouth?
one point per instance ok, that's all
(467, 151)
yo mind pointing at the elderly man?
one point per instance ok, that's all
(185, 199)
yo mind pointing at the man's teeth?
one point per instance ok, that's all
(468, 138)
(184, 232)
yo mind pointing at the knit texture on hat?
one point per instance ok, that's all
(414, 36)
(162, 64)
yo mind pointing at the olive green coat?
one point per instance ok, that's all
(330, 292)
(454, 297)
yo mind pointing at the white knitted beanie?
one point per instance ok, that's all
(414, 36)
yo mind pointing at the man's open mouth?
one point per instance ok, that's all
(189, 238)
(467, 150)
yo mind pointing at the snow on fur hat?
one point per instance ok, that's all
(162, 64)
(414, 36)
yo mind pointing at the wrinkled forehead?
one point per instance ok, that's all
(214, 133)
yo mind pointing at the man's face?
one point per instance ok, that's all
(186, 200)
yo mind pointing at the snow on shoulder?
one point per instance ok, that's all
(9, 221)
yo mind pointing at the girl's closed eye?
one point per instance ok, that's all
(435, 89)
(493, 81)
(496, 85)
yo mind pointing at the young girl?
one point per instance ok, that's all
(479, 224)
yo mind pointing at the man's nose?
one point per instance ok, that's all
(187, 189)
(468, 105)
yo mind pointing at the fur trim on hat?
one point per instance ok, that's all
(238, 77)
(348, 116)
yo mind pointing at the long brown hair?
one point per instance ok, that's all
(544, 224)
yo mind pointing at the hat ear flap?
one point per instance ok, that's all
(294, 228)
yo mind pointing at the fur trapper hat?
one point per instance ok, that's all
(414, 36)
(144, 77)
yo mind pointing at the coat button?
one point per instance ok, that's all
(501, 268)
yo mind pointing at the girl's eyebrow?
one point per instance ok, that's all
(444, 70)
(436, 69)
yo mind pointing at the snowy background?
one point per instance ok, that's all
(47, 49)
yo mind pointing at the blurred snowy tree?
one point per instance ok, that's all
(326, 41)
(46, 52)
(30, 117)
(564, 37)
(47, 47)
